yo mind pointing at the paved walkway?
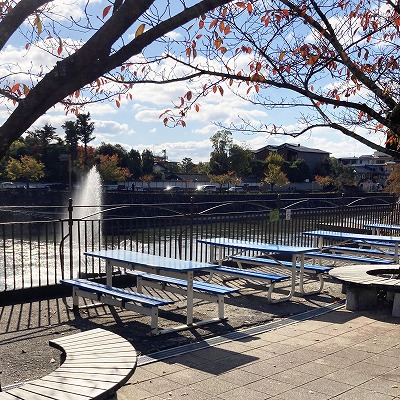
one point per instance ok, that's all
(338, 355)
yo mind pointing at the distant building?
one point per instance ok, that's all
(293, 152)
(373, 169)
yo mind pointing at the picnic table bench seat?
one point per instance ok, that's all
(262, 276)
(119, 297)
(348, 257)
(202, 290)
(361, 250)
(310, 268)
(95, 364)
(319, 270)
(374, 243)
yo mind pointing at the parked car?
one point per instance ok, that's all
(206, 188)
(173, 189)
(236, 189)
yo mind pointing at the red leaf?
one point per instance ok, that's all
(15, 87)
(106, 11)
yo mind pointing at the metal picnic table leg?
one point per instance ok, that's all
(189, 298)
(294, 271)
(301, 278)
(108, 273)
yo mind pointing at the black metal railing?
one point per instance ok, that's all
(40, 253)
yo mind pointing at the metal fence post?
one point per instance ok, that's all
(191, 230)
(71, 239)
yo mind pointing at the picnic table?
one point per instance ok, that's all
(376, 242)
(269, 250)
(154, 265)
(378, 228)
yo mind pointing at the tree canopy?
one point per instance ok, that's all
(91, 56)
(335, 62)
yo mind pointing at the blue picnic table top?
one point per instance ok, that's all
(353, 236)
(149, 260)
(256, 246)
(389, 227)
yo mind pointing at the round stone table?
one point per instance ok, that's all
(363, 282)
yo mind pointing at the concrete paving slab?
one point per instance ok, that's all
(358, 360)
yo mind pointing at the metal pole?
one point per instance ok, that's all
(70, 223)
(191, 230)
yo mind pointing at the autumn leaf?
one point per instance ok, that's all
(240, 4)
(165, 112)
(189, 95)
(60, 46)
(218, 42)
(213, 23)
(38, 25)
(15, 87)
(118, 103)
(197, 107)
(26, 90)
(106, 11)
(139, 30)
(312, 60)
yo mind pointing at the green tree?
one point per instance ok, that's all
(187, 165)
(45, 136)
(274, 174)
(85, 130)
(240, 160)
(147, 162)
(341, 176)
(134, 163)
(219, 157)
(71, 139)
(392, 184)
(27, 168)
(298, 171)
(224, 179)
(108, 149)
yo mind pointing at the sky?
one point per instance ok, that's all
(137, 123)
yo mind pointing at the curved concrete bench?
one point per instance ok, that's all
(363, 283)
(95, 364)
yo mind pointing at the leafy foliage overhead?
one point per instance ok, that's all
(89, 58)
